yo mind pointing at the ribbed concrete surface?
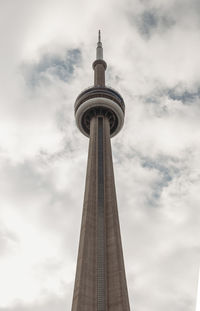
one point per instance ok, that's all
(93, 290)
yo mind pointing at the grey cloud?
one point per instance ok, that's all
(60, 67)
(166, 168)
(166, 177)
(185, 96)
(180, 92)
(151, 21)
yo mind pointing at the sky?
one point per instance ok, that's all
(152, 51)
(198, 295)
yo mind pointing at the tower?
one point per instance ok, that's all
(100, 283)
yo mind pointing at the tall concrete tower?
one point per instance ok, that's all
(100, 283)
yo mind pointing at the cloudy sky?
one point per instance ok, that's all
(152, 51)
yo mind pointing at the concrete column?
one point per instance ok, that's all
(99, 75)
(100, 283)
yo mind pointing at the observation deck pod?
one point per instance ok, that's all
(99, 101)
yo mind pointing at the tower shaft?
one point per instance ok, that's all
(100, 283)
(99, 75)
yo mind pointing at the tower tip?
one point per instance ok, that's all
(99, 37)
(99, 51)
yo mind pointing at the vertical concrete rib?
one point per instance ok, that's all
(101, 234)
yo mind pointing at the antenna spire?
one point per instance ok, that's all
(99, 53)
(99, 36)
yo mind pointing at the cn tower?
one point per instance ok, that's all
(100, 283)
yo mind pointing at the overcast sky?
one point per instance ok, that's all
(152, 51)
